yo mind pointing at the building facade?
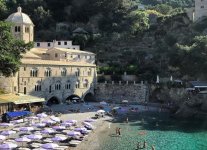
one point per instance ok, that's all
(200, 9)
(56, 71)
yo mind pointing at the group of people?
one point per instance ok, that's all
(144, 146)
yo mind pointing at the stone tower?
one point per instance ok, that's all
(200, 9)
(23, 27)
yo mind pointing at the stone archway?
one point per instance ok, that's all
(53, 100)
(73, 97)
(89, 97)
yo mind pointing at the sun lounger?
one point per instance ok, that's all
(74, 143)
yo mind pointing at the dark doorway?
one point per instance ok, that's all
(89, 98)
(53, 100)
(72, 98)
(25, 90)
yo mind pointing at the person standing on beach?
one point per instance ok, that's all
(145, 144)
(116, 130)
(119, 131)
(138, 145)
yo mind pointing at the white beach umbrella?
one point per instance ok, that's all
(59, 127)
(32, 118)
(48, 131)
(103, 103)
(8, 146)
(42, 115)
(8, 132)
(56, 119)
(23, 139)
(67, 124)
(26, 129)
(125, 101)
(17, 121)
(101, 111)
(74, 133)
(87, 123)
(6, 124)
(39, 124)
(50, 145)
(34, 137)
(59, 138)
(49, 121)
(72, 121)
(80, 129)
(2, 137)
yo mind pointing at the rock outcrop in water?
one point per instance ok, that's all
(185, 105)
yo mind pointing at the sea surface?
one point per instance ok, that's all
(157, 129)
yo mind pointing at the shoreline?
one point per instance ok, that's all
(92, 140)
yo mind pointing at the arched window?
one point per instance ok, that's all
(77, 73)
(67, 85)
(63, 72)
(48, 72)
(89, 72)
(58, 86)
(38, 86)
(34, 72)
(85, 83)
(77, 85)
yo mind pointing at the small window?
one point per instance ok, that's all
(16, 29)
(33, 73)
(65, 55)
(26, 29)
(25, 68)
(71, 56)
(38, 44)
(25, 83)
(50, 89)
(48, 44)
(38, 88)
(56, 55)
(79, 56)
(15, 89)
(19, 29)
(65, 43)
(59, 43)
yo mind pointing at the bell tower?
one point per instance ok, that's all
(23, 27)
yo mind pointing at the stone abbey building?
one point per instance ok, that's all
(55, 71)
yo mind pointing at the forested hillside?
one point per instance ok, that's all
(142, 37)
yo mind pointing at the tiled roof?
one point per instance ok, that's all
(56, 63)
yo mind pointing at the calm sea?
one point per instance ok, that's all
(157, 129)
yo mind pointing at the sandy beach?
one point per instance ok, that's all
(101, 124)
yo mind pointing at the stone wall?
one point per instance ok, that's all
(133, 92)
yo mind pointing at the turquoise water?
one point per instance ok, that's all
(157, 129)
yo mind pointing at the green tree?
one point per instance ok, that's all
(10, 50)
(163, 9)
(3, 9)
(42, 17)
(138, 21)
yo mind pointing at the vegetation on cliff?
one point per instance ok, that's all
(158, 39)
